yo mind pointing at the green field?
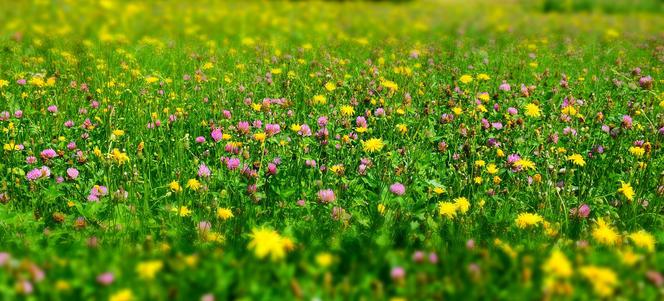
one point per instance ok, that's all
(408, 150)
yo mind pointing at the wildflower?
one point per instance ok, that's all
(106, 278)
(122, 295)
(643, 240)
(119, 157)
(174, 186)
(216, 135)
(194, 184)
(347, 110)
(398, 189)
(558, 265)
(398, 273)
(324, 259)
(603, 280)
(224, 213)
(462, 204)
(532, 110)
(326, 196)
(148, 269)
(483, 76)
(577, 159)
(267, 242)
(204, 171)
(330, 86)
(260, 137)
(319, 100)
(627, 190)
(466, 79)
(491, 168)
(390, 85)
(525, 164)
(447, 209)
(637, 151)
(373, 145)
(605, 234)
(525, 220)
(402, 128)
(182, 211)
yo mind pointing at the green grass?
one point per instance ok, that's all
(127, 66)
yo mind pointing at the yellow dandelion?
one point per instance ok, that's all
(627, 190)
(224, 213)
(447, 209)
(605, 234)
(466, 79)
(267, 242)
(148, 269)
(525, 220)
(532, 110)
(558, 265)
(373, 145)
(643, 240)
(577, 159)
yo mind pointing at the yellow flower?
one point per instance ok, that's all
(182, 211)
(148, 269)
(532, 110)
(627, 190)
(483, 76)
(119, 157)
(324, 259)
(151, 79)
(3, 83)
(330, 86)
(174, 186)
(296, 127)
(224, 213)
(457, 110)
(122, 295)
(491, 168)
(267, 242)
(603, 280)
(577, 159)
(480, 163)
(402, 128)
(447, 209)
(260, 137)
(439, 190)
(466, 78)
(605, 234)
(637, 151)
(373, 145)
(319, 100)
(525, 220)
(525, 164)
(392, 86)
(381, 209)
(462, 204)
(276, 71)
(644, 240)
(558, 265)
(347, 110)
(194, 184)
(118, 133)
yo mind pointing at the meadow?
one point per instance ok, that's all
(417, 150)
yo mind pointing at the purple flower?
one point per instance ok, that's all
(52, 109)
(216, 135)
(232, 163)
(583, 211)
(398, 273)
(646, 82)
(72, 173)
(48, 154)
(105, 278)
(418, 256)
(627, 121)
(505, 87)
(322, 121)
(398, 189)
(272, 129)
(512, 111)
(200, 139)
(326, 196)
(204, 171)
